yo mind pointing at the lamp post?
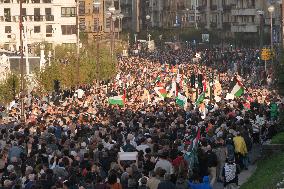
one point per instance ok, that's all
(120, 17)
(148, 17)
(49, 56)
(187, 17)
(96, 5)
(271, 9)
(195, 14)
(78, 42)
(261, 14)
(42, 56)
(22, 63)
(110, 14)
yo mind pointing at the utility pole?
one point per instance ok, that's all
(22, 96)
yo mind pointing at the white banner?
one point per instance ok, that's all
(127, 156)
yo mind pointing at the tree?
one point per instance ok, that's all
(64, 66)
(9, 88)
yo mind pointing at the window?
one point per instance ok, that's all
(36, 29)
(36, 1)
(96, 10)
(24, 10)
(47, 11)
(96, 25)
(7, 14)
(37, 17)
(48, 30)
(116, 5)
(68, 12)
(46, 1)
(8, 29)
(68, 29)
(81, 8)
(82, 24)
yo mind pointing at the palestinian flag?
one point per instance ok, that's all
(158, 79)
(200, 99)
(181, 100)
(117, 100)
(238, 90)
(197, 138)
(161, 92)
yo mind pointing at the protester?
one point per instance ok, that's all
(170, 112)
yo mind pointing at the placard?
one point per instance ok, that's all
(127, 156)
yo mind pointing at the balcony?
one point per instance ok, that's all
(49, 17)
(244, 12)
(213, 7)
(8, 18)
(244, 27)
(227, 7)
(226, 25)
(201, 8)
(38, 18)
(213, 25)
(201, 24)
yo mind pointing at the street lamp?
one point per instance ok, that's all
(187, 17)
(120, 17)
(271, 9)
(97, 5)
(42, 56)
(22, 63)
(110, 14)
(261, 13)
(148, 17)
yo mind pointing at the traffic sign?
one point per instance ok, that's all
(265, 54)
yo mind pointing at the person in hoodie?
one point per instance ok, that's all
(204, 185)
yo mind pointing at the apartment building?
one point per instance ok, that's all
(91, 17)
(236, 16)
(115, 19)
(52, 21)
(132, 11)
(173, 13)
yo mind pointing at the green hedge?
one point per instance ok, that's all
(268, 173)
(278, 139)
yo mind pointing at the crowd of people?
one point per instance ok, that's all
(80, 139)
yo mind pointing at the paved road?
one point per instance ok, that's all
(245, 174)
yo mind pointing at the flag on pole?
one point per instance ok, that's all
(181, 100)
(196, 139)
(200, 99)
(161, 91)
(238, 90)
(117, 100)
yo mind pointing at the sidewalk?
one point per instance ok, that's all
(245, 174)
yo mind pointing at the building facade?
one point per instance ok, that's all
(91, 17)
(132, 11)
(239, 17)
(51, 21)
(173, 13)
